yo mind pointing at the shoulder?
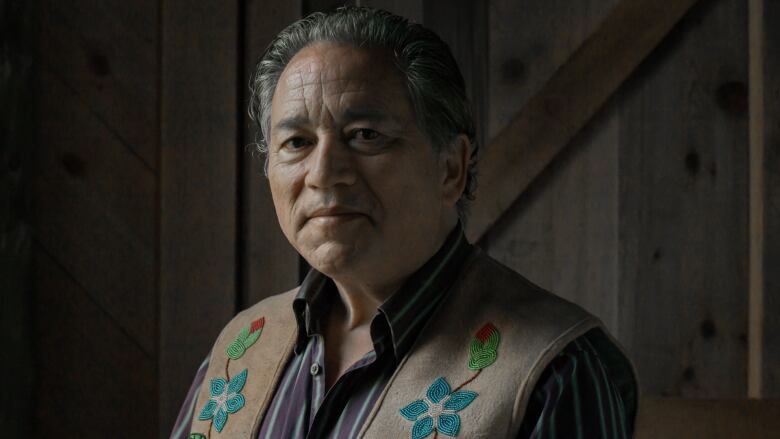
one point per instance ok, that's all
(509, 295)
(587, 388)
(545, 329)
(277, 303)
(596, 356)
(275, 308)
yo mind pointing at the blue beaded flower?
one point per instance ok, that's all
(437, 410)
(225, 398)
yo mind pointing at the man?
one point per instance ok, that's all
(402, 328)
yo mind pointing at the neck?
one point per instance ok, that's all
(361, 299)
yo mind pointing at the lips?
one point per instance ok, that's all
(334, 215)
(333, 211)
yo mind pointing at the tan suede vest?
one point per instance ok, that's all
(534, 326)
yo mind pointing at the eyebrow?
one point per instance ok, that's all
(291, 123)
(369, 114)
(350, 114)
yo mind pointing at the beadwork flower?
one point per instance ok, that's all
(226, 398)
(437, 410)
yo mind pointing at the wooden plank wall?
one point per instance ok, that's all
(637, 180)
(413, 10)
(95, 205)
(708, 418)
(18, 131)
(562, 234)
(198, 188)
(683, 208)
(770, 57)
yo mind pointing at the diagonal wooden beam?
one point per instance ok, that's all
(544, 126)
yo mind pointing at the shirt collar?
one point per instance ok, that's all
(403, 315)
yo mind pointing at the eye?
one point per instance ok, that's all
(365, 134)
(295, 143)
(368, 141)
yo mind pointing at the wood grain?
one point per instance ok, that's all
(771, 184)
(94, 199)
(521, 150)
(100, 383)
(94, 202)
(529, 44)
(198, 184)
(17, 125)
(562, 232)
(310, 6)
(683, 208)
(107, 52)
(675, 418)
(411, 9)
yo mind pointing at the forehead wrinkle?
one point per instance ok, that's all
(323, 91)
(314, 84)
(302, 90)
(295, 93)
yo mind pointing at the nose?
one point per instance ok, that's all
(330, 164)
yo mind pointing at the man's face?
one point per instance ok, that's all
(358, 189)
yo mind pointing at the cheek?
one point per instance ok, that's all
(408, 190)
(283, 192)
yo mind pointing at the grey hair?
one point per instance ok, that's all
(434, 82)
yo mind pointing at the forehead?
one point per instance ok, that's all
(342, 73)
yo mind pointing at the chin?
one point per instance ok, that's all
(332, 258)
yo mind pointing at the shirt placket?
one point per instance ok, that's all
(317, 372)
(328, 406)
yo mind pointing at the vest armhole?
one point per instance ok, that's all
(526, 388)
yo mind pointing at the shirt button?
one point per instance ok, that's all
(315, 369)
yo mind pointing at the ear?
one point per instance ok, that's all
(454, 163)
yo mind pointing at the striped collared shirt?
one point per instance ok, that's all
(575, 396)
(306, 408)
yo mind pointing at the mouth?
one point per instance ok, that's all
(334, 215)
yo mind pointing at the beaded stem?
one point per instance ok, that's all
(468, 381)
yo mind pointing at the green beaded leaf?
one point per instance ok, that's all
(243, 334)
(197, 436)
(235, 350)
(480, 356)
(484, 347)
(246, 338)
(252, 338)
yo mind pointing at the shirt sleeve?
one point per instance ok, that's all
(575, 397)
(181, 429)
